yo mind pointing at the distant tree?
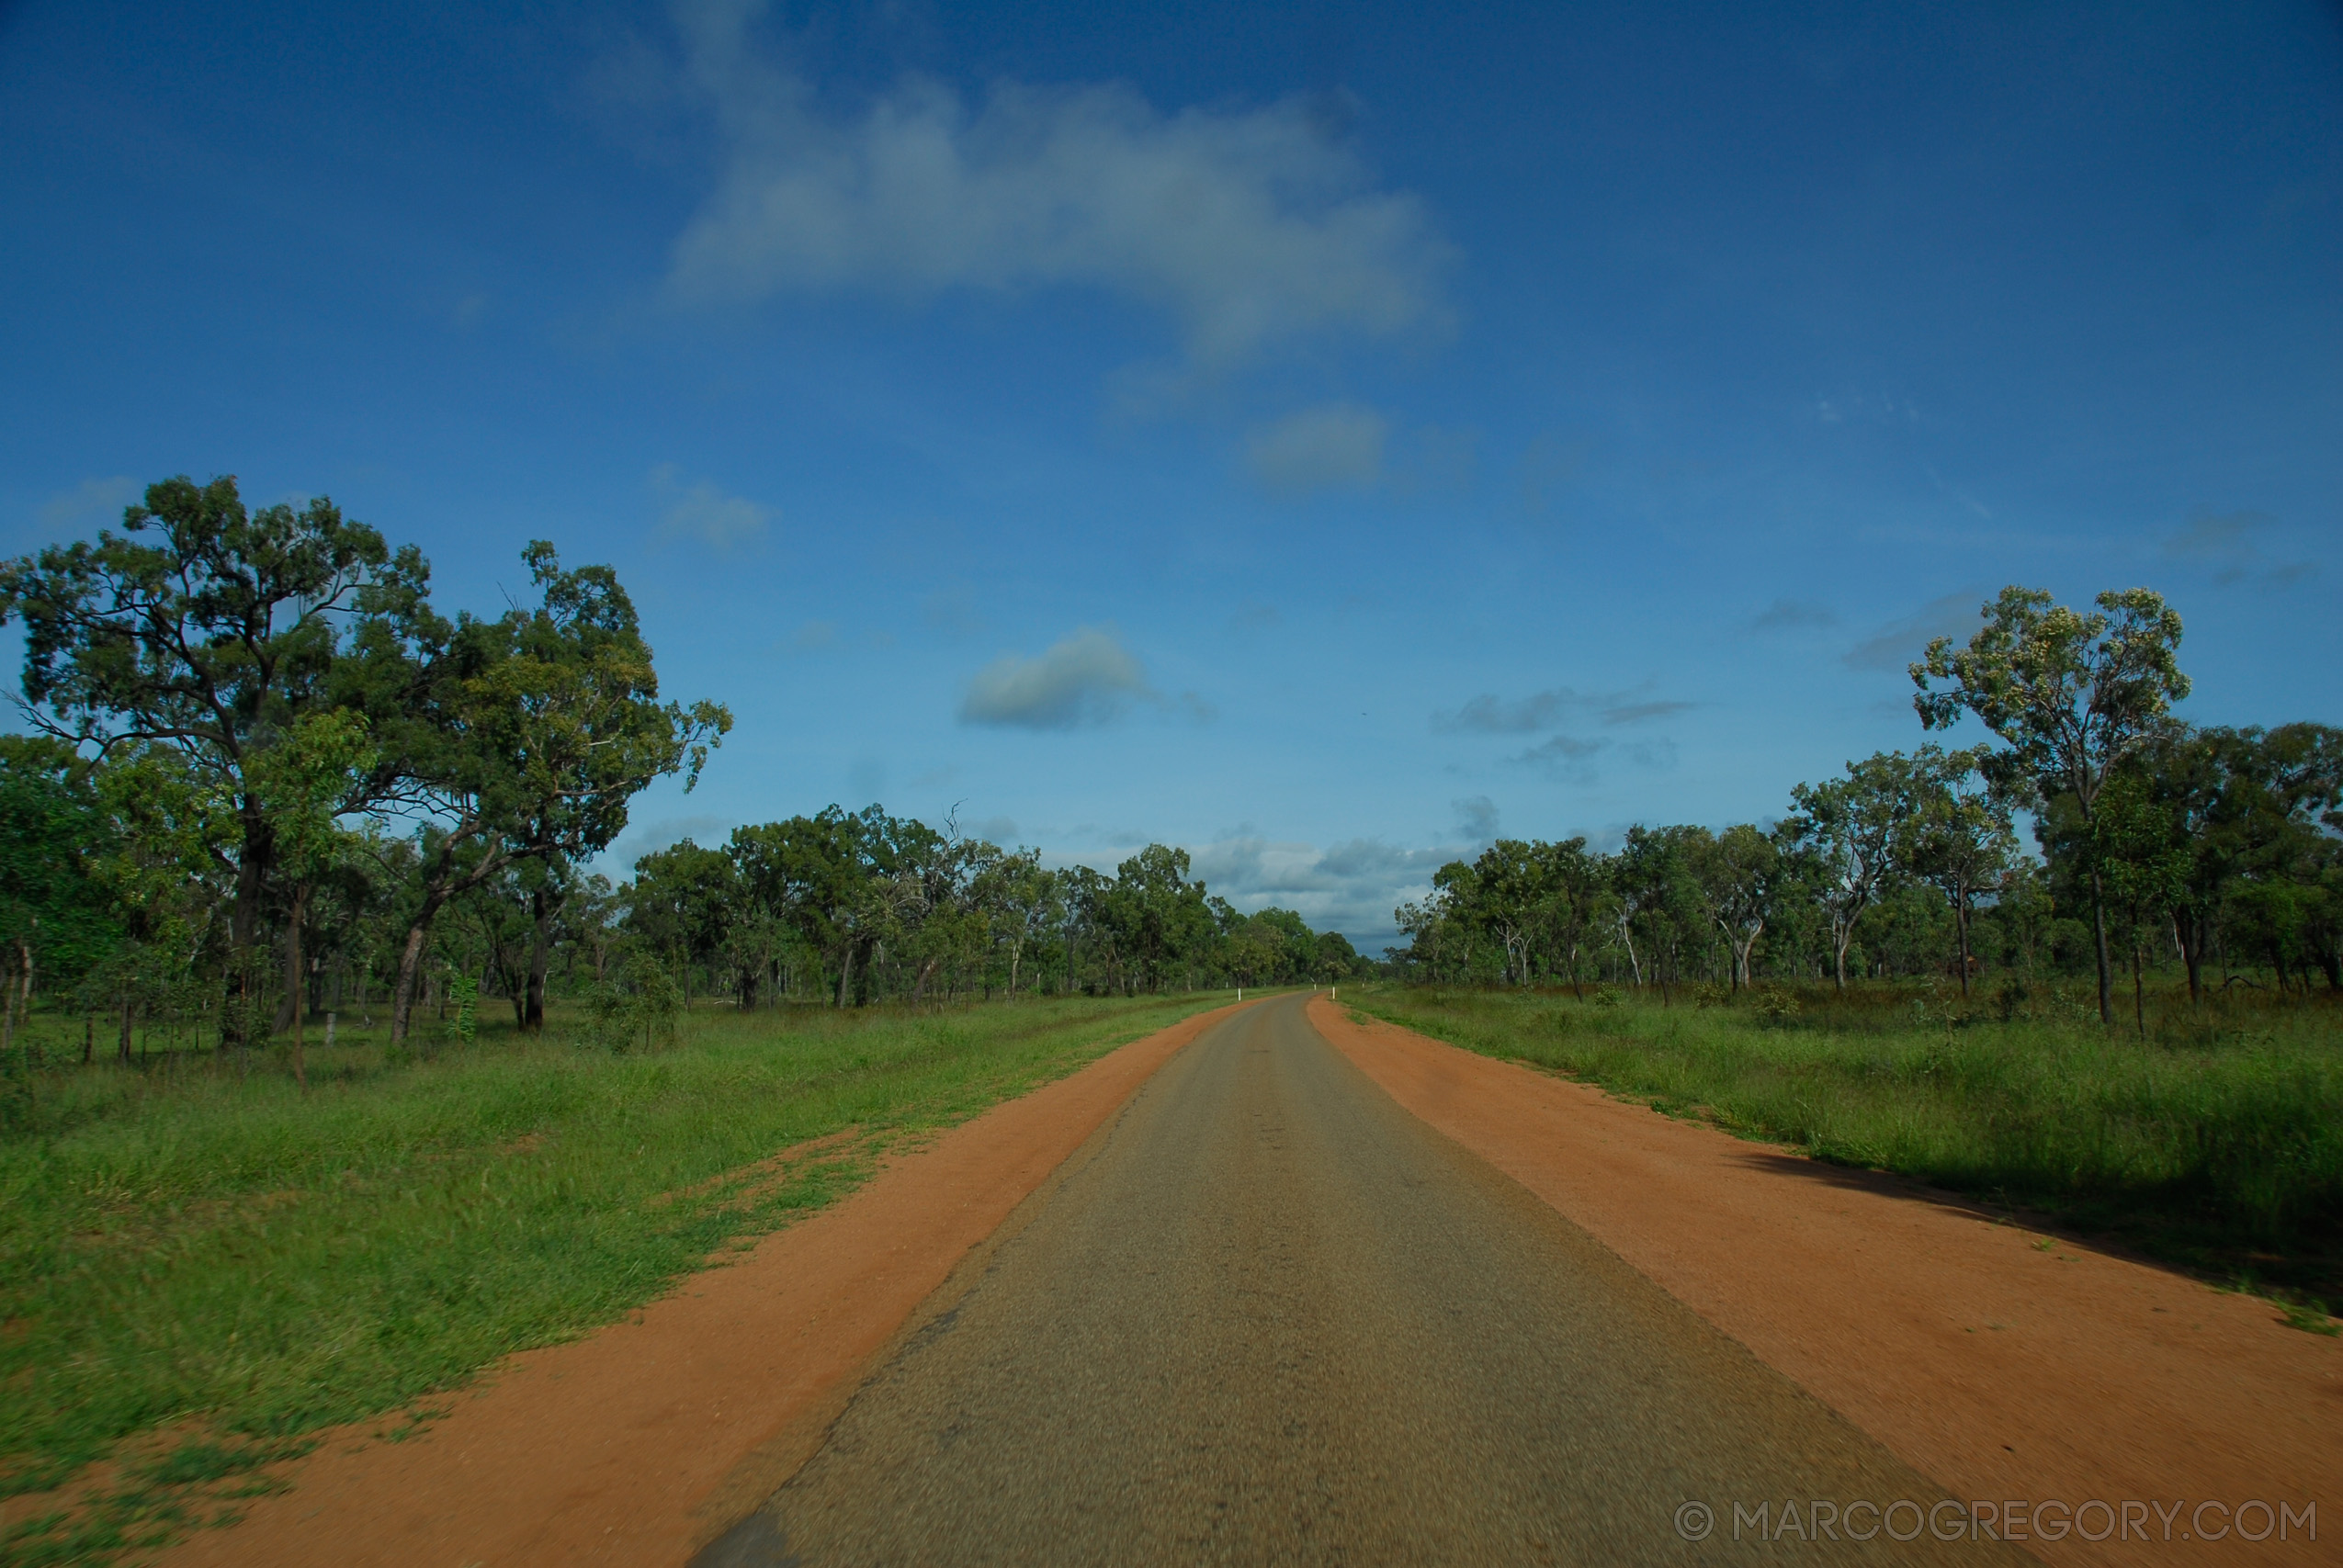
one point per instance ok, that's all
(1337, 959)
(2137, 846)
(685, 903)
(1031, 903)
(1503, 894)
(1570, 883)
(1652, 880)
(1851, 826)
(1738, 872)
(2070, 695)
(1958, 835)
(1157, 916)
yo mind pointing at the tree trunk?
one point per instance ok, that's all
(244, 919)
(2191, 956)
(2099, 935)
(403, 999)
(123, 1044)
(540, 958)
(845, 974)
(2139, 993)
(1960, 920)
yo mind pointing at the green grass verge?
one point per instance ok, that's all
(2216, 1143)
(228, 1263)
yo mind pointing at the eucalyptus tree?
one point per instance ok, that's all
(304, 782)
(1652, 880)
(685, 903)
(2070, 695)
(513, 739)
(1572, 888)
(1159, 917)
(1029, 900)
(2136, 847)
(204, 627)
(1738, 872)
(1503, 893)
(1850, 828)
(1958, 837)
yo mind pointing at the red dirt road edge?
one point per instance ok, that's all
(2003, 1370)
(644, 1442)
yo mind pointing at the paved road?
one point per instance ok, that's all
(1265, 1316)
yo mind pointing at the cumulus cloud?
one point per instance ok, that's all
(1336, 446)
(1246, 226)
(1352, 886)
(704, 513)
(1089, 679)
(2227, 541)
(89, 501)
(1895, 645)
(1489, 713)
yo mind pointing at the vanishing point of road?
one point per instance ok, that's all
(1266, 1316)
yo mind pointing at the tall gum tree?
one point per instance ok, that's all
(2070, 695)
(205, 626)
(515, 738)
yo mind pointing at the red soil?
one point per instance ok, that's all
(1999, 1368)
(640, 1444)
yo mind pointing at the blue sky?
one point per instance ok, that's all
(1323, 436)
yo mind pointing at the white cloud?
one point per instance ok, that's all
(88, 501)
(1246, 226)
(1351, 887)
(704, 513)
(1089, 679)
(1335, 446)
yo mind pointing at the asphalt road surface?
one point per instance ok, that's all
(1265, 1316)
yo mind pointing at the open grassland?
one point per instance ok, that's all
(198, 1265)
(2216, 1143)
